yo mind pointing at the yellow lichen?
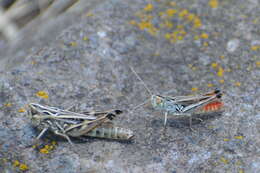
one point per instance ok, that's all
(196, 37)
(257, 64)
(44, 151)
(222, 56)
(255, 47)
(194, 89)
(16, 163)
(197, 22)
(173, 3)
(171, 12)
(224, 160)
(205, 44)
(8, 104)
(183, 13)
(210, 85)
(89, 14)
(42, 94)
(237, 84)
(214, 65)
(23, 167)
(221, 81)
(190, 17)
(241, 171)
(133, 22)
(213, 3)
(204, 36)
(239, 137)
(21, 110)
(226, 139)
(148, 7)
(85, 38)
(73, 44)
(220, 72)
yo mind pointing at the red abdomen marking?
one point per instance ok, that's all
(213, 106)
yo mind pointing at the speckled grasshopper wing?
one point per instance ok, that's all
(67, 123)
(184, 105)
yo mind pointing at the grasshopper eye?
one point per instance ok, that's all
(118, 112)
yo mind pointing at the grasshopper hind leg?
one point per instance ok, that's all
(64, 135)
(165, 118)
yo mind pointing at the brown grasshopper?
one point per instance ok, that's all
(68, 124)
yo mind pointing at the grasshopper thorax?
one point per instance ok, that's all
(165, 104)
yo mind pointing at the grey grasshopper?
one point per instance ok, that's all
(68, 124)
(185, 106)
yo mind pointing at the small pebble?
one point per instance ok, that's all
(232, 45)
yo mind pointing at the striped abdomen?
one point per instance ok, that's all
(212, 107)
(111, 133)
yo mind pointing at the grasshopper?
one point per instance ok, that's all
(184, 105)
(68, 124)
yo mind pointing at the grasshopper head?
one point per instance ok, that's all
(34, 114)
(157, 101)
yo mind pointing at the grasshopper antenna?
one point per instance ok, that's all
(149, 91)
(139, 78)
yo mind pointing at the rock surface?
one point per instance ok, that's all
(87, 64)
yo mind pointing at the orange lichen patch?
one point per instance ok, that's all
(237, 84)
(214, 65)
(213, 3)
(204, 36)
(42, 94)
(194, 89)
(239, 137)
(210, 85)
(213, 106)
(148, 7)
(21, 110)
(224, 160)
(220, 72)
(222, 56)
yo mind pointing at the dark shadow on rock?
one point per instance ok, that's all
(183, 122)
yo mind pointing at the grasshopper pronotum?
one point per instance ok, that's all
(184, 105)
(68, 124)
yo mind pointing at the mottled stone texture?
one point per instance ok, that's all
(87, 64)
